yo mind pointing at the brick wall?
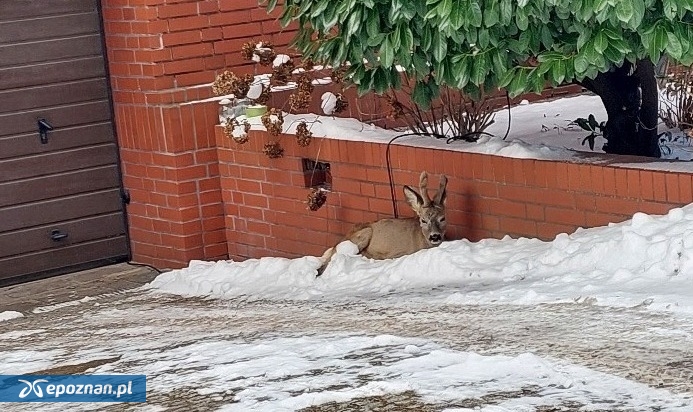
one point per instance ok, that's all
(196, 195)
(488, 196)
(159, 52)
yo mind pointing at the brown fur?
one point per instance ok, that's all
(392, 238)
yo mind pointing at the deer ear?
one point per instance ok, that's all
(414, 199)
(442, 193)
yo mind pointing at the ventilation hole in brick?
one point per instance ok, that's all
(317, 174)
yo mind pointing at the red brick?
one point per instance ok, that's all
(183, 66)
(564, 216)
(621, 180)
(242, 31)
(176, 10)
(521, 227)
(192, 50)
(548, 231)
(672, 182)
(646, 188)
(685, 189)
(562, 176)
(609, 176)
(659, 186)
(585, 202)
(555, 198)
(503, 207)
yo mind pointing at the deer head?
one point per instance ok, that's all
(431, 212)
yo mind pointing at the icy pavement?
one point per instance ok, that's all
(396, 352)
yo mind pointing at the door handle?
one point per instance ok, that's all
(57, 235)
(43, 128)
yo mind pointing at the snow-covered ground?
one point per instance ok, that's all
(641, 266)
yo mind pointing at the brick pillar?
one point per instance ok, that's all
(162, 56)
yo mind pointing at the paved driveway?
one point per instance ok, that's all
(190, 347)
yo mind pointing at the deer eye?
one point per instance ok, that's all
(442, 219)
(423, 221)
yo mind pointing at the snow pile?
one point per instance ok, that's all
(10, 314)
(647, 261)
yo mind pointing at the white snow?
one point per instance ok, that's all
(645, 262)
(10, 314)
(540, 130)
(287, 374)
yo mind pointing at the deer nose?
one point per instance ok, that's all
(435, 238)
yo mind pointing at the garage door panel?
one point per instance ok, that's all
(55, 259)
(64, 138)
(21, 9)
(51, 27)
(49, 50)
(63, 116)
(54, 72)
(76, 231)
(52, 68)
(60, 209)
(53, 95)
(58, 162)
(49, 187)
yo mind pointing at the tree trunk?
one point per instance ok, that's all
(631, 101)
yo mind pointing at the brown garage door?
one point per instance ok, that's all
(60, 203)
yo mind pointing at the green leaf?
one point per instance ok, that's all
(589, 139)
(521, 20)
(506, 12)
(406, 38)
(638, 14)
(674, 47)
(491, 14)
(601, 42)
(507, 77)
(600, 5)
(474, 14)
(499, 65)
(271, 4)
(518, 83)
(484, 38)
(353, 24)
(420, 96)
(366, 83)
(624, 10)
(613, 55)
(440, 47)
(457, 18)
(376, 41)
(462, 67)
(387, 53)
(480, 66)
(381, 80)
(558, 71)
(583, 123)
(426, 37)
(373, 25)
(287, 16)
(581, 64)
(420, 64)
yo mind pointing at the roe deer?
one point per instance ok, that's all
(391, 238)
